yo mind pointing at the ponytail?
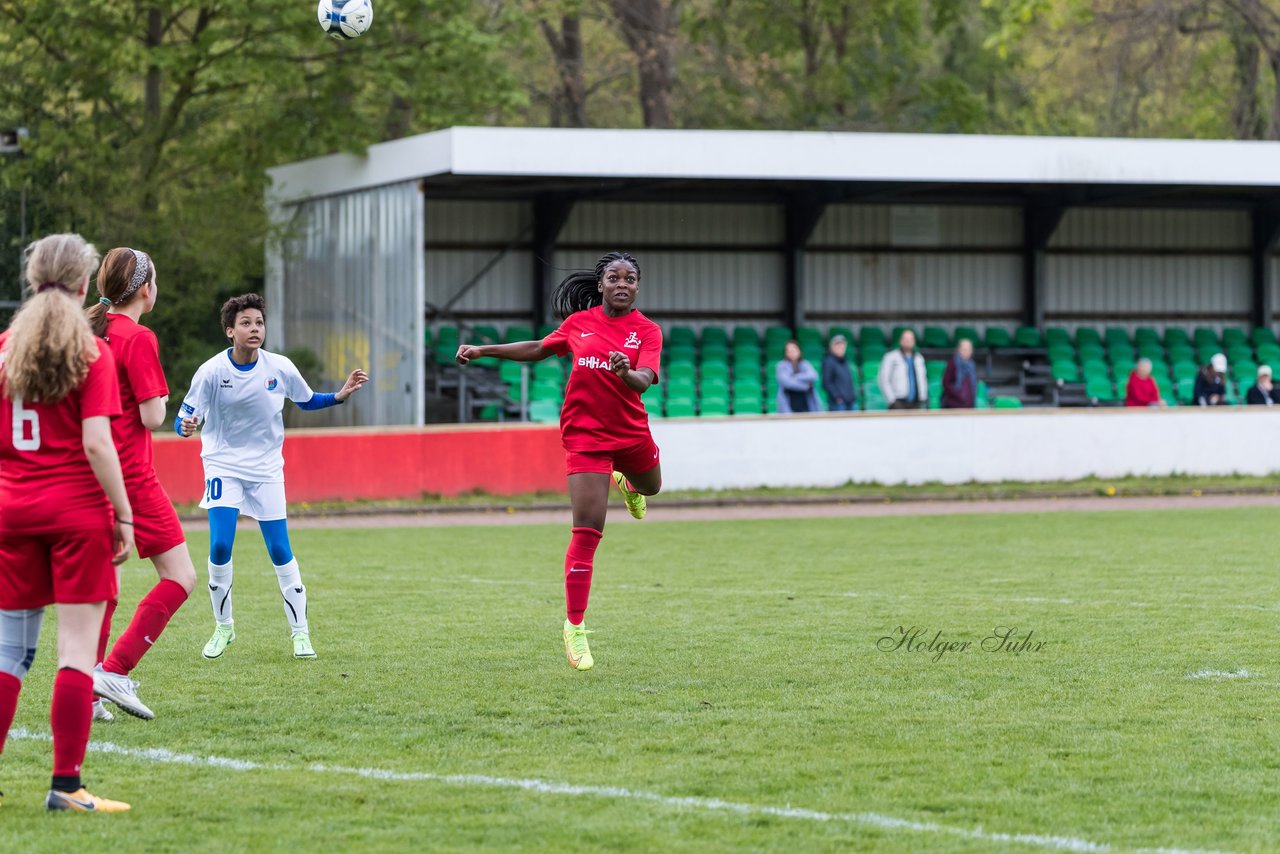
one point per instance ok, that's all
(124, 271)
(50, 344)
(580, 290)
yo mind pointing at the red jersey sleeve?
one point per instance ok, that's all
(650, 355)
(100, 392)
(558, 342)
(142, 367)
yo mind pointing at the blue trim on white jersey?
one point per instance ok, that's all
(320, 400)
(237, 365)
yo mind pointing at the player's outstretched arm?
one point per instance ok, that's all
(354, 383)
(520, 351)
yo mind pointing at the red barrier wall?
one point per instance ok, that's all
(329, 465)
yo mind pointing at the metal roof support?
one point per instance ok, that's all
(1040, 218)
(801, 215)
(550, 213)
(1265, 219)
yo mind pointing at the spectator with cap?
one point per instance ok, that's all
(796, 379)
(837, 376)
(1263, 392)
(1211, 382)
(960, 380)
(902, 378)
(1142, 389)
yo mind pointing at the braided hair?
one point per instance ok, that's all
(580, 291)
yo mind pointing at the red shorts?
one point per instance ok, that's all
(637, 459)
(69, 567)
(156, 528)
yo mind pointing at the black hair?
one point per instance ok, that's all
(235, 305)
(579, 290)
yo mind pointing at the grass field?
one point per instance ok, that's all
(742, 696)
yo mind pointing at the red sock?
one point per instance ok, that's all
(10, 685)
(153, 614)
(70, 715)
(577, 572)
(105, 635)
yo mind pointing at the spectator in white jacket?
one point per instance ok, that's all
(902, 376)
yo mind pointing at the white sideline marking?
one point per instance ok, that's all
(1222, 674)
(547, 787)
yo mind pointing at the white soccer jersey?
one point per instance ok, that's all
(243, 432)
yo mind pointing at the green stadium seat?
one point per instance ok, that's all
(997, 337)
(1094, 369)
(1181, 353)
(485, 335)
(1087, 335)
(680, 353)
(1244, 372)
(1116, 335)
(681, 407)
(545, 411)
(545, 329)
(747, 404)
(549, 369)
(874, 336)
(813, 353)
(1267, 351)
(1151, 350)
(652, 404)
(516, 332)
(1091, 350)
(714, 407)
(1204, 336)
(935, 336)
(1239, 353)
(969, 332)
(714, 336)
(1262, 335)
(1100, 388)
(680, 335)
(806, 334)
(1146, 335)
(1028, 336)
(743, 335)
(982, 398)
(1176, 336)
(1185, 389)
(1060, 352)
(935, 368)
(509, 372)
(714, 388)
(546, 390)
(870, 370)
(778, 333)
(1056, 335)
(1004, 402)
(715, 371)
(1234, 335)
(773, 354)
(1121, 370)
(1184, 370)
(1067, 372)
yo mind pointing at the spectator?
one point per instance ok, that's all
(1263, 392)
(902, 378)
(1211, 382)
(837, 378)
(796, 378)
(1142, 389)
(960, 380)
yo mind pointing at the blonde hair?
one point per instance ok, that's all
(50, 344)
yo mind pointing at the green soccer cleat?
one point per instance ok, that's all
(223, 637)
(302, 647)
(575, 647)
(636, 505)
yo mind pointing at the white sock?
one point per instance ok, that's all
(295, 595)
(220, 592)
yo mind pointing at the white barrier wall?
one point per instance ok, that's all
(954, 447)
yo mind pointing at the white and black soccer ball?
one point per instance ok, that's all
(345, 19)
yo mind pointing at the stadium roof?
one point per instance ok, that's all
(507, 162)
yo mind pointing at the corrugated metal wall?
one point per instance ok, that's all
(352, 294)
(462, 239)
(894, 260)
(1137, 266)
(613, 225)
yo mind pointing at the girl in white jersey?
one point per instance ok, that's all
(239, 394)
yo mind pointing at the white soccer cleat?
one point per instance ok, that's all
(101, 712)
(122, 691)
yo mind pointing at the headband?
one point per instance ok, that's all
(141, 272)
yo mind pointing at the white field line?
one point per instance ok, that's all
(677, 589)
(160, 755)
(1222, 674)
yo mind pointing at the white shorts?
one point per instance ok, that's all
(262, 501)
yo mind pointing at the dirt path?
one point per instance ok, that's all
(780, 511)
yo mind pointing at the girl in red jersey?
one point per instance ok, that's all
(616, 351)
(58, 534)
(127, 289)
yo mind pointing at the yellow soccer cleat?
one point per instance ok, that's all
(575, 647)
(81, 801)
(636, 504)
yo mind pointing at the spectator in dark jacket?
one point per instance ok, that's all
(960, 380)
(837, 377)
(1263, 392)
(1211, 382)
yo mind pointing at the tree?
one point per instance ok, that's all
(649, 27)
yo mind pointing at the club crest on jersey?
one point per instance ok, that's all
(632, 342)
(272, 382)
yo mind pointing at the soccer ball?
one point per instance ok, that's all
(345, 19)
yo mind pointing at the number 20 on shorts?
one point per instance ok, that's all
(213, 489)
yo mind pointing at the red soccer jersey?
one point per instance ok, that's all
(600, 412)
(46, 483)
(138, 370)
